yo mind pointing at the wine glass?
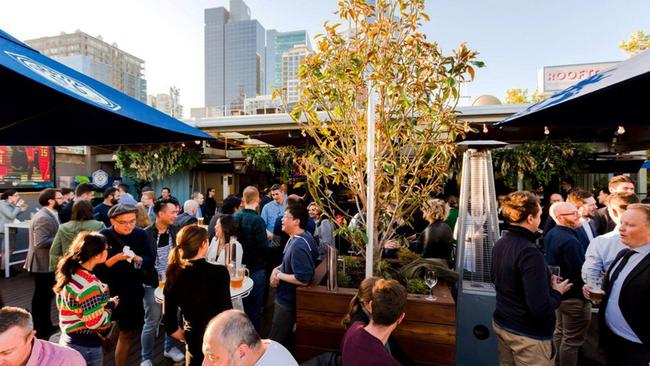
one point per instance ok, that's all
(431, 279)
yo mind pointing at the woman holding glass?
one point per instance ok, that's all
(84, 303)
(201, 290)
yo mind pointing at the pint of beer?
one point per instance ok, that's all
(596, 295)
(595, 287)
(200, 219)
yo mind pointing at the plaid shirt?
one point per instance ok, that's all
(252, 236)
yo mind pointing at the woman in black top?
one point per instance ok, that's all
(200, 289)
(436, 240)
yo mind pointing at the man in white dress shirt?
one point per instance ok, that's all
(604, 248)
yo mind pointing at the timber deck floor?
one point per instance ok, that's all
(17, 291)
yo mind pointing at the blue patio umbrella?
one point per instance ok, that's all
(44, 102)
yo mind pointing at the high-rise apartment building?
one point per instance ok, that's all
(235, 57)
(277, 43)
(291, 61)
(97, 59)
(167, 103)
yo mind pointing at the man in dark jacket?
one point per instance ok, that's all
(618, 184)
(564, 249)
(124, 272)
(625, 330)
(526, 292)
(188, 217)
(252, 236)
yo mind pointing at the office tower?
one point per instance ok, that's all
(98, 59)
(234, 56)
(277, 43)
(291, 61)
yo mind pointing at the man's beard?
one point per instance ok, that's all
(57, 207)
(114, 201)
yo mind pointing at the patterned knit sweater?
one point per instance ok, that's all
(84, 308)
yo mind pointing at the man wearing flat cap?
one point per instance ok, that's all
(125, 271)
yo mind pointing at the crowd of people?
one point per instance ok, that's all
(102, 264)
(588, 257)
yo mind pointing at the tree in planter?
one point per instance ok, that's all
(417, 89)
(156, 162)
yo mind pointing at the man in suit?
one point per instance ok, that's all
(585, 203)
(626, 336)
(618, 184)
(43, 228)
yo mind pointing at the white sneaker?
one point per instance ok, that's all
(175, 354)
(146, 363)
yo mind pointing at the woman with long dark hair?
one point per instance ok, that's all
(201, 290)
(226, 233)
(84, 303)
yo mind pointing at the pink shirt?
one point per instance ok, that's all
(48, 353)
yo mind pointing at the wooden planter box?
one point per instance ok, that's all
(427, 335)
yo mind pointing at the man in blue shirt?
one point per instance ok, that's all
(273, 210)
(297, 269)
(604, 248)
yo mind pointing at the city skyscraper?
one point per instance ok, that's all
(235, 57)
(277, 43)
(291, 60)
(98, 59)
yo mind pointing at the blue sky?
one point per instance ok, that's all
(514, 38)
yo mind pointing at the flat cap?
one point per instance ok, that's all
(121, 209)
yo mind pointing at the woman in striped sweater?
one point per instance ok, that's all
(83, 301)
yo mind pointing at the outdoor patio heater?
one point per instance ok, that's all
(477, 231)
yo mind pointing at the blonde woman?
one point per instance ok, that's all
(436, 240)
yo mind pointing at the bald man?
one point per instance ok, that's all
(563, 249)
(231, 339)
(188, 217)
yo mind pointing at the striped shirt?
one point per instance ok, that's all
(84, 308)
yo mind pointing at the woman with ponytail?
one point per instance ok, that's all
(83, 301)
(201, 290)
(360, 311)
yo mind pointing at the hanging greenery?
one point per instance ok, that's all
(540, 160)
(156, 162)
(271, 161)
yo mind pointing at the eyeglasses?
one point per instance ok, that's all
(574, 213)
(132, 222)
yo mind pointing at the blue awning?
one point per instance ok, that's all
(646, 164)
(614, 97)
(44, 102)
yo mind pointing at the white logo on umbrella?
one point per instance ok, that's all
(65, 81)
